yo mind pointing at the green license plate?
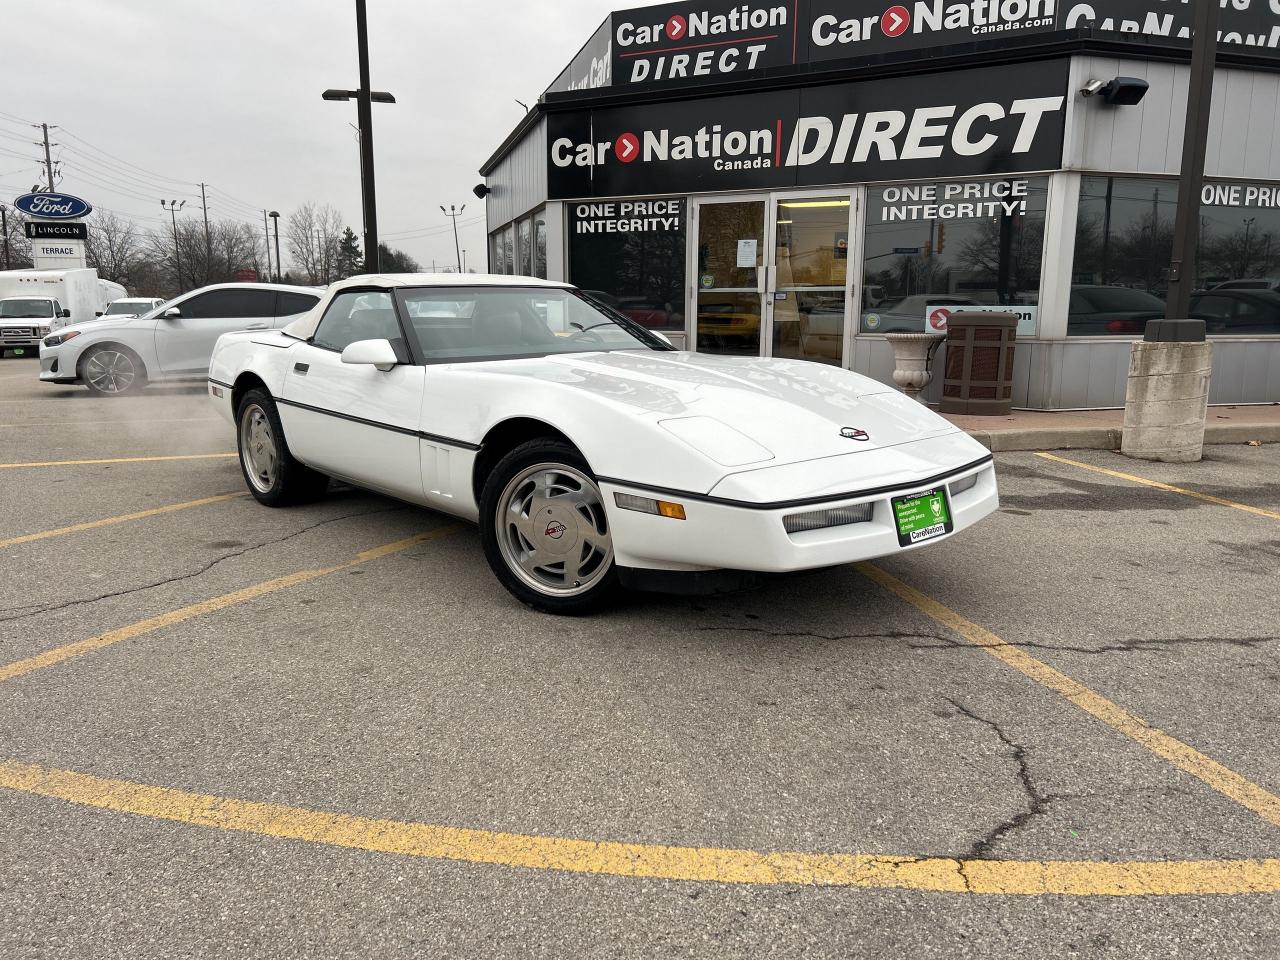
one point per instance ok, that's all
(922, 517)
(19, 351)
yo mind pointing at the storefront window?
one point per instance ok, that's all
(499, 263)
(540, 244)
(1124, 243)
(630, 254)
(936, 248)
(812, 258)
(508, 249)
(524, 252)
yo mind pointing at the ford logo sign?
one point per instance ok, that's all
(53, 206)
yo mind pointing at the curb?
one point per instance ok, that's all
(1108, 438)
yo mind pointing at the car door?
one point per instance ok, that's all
(184, 343)
(354, 421)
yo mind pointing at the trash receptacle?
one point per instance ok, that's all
(979, 366)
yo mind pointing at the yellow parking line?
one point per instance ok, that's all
(86, 463)
(57, 655)
(655, 861)
(112, 521)
(1186, 758)
(1167, 488)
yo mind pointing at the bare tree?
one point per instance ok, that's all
(114, 248)
(19, 245)
(315, 236)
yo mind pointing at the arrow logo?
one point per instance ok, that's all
(895, 21)
(627, 147)
(676, 27)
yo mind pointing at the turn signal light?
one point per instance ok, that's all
(659, 508)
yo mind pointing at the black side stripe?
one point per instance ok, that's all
(219, 383)
(793, 504)
(405, 431)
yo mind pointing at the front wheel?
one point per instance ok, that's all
(545, 531)
(111, 371)
(274, 477)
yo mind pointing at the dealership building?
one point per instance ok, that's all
(798, 178)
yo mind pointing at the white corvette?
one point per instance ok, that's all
(591, 452)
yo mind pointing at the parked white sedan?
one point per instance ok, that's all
(591, 452)
(116, 355)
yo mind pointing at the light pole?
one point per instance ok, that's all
(173, 206)
(464, 260)
(4, 232)
(364, 98)
(275, 221)
(1248, 229)
(453, 214)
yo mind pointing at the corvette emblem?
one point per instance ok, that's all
(555, 530)
(853, 433)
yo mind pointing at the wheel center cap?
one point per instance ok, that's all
(557, 531)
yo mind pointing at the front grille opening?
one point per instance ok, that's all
(826, 519)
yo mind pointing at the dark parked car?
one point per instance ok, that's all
(1115, 311)
(1238, 311)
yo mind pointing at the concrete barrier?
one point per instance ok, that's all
(1166, 401)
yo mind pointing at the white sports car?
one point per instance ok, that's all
(591, 452)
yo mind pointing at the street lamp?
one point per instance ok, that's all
(1248, 229)
(275, 220)
(173, 206)
(453, 214)
(364, 99)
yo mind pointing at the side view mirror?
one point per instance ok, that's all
(172, 313)
(378, 353)
(663, 337)
(66, 314)
(97, 313)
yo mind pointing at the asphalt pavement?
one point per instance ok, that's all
(227, 731)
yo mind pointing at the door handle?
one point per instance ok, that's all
(257, 326)
(301, 367)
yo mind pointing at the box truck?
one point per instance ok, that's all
(35, 302)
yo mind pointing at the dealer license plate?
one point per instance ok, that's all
(922, 517)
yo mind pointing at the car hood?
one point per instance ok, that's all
(742, 412)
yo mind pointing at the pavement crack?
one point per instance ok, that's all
(833, 637)
(1037, 803)
(34, 611)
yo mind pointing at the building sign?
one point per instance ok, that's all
(53, 206)
(627, 216)
(591, 68)
(968, 123)
(688, 42)
(705, 38)
(954, 200)
(40, 230)
(936, 318)
(52, 255)
(1254, 196)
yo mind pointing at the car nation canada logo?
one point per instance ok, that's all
(935, 19)
(679, 43)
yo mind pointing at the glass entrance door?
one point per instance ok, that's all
(810, 273)
(729, 276)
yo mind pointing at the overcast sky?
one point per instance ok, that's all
(229, 92)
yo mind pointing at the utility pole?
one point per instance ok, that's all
(266, 236)
(48, 160)
(4, 232)
(208, 241)
(464, 261)
(173, 206)
(453, 215)
(275, 220)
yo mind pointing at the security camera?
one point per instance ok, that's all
(1120, 92)
(481, 190)
(1092, 88)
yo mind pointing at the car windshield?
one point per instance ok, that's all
(123, 306)
(501, 323)
(26, 308)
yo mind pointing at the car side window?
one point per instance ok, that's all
(358, 315)
(290, 304)
(230, 305)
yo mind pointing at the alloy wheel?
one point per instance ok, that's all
(258, 448)
(110, 371)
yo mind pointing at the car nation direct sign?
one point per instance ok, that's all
(975, 122)
(53, 206)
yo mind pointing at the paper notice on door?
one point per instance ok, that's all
(747, 253)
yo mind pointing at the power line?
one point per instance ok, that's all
(149, 173)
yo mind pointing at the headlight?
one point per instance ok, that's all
(60, 338)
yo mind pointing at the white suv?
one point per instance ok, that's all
(173, 342)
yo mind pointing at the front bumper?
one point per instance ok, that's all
(56, 366)
(718, 535)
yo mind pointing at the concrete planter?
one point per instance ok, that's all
(1166, 402)
(913, 360)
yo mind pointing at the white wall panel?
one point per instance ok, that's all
(519, 182)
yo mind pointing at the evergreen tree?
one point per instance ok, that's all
(350, 257)
(396, 261)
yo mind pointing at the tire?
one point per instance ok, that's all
(112, 371)
(532, 541)
(270, 472)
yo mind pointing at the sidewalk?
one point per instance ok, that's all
(1101, 429)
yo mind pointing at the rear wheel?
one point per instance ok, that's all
(111, 371)
(545, 531)
(274, 477)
